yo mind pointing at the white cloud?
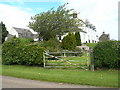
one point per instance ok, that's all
(14, 16)
(101, 13)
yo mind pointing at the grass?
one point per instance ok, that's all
(91, 45)
(104, 78)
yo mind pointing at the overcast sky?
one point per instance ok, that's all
(101, 13)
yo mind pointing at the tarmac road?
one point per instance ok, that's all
(12, 82)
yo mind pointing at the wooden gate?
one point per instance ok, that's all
(72, 60)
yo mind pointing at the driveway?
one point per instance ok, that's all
(12, 82)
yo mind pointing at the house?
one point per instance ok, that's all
(22, 33)
(91, 33)
(88, 33)
(104, 37)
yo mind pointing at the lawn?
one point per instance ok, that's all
(91, 45)
(103, 78)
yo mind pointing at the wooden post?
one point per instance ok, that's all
(87, 59)
(64, 54)
(44, 59)
(91, 60)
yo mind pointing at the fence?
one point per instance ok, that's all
(66, 60)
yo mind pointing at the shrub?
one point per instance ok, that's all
(15, 52)
(53, 45)
(106, 54)
(69, 42)
(78, 38)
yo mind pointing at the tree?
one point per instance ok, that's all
(69, 42)
(54, 22)
(4, 31)
(78, 38)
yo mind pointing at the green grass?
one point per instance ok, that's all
(91, 45)
(104, 78)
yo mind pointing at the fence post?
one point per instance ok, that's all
(44, 58)
(64, 54)
(91, 60)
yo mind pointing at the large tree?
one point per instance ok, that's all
(54, 22)
(3, 31)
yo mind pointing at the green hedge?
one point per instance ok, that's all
(106, 54)
(15, 52)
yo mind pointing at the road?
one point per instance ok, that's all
(12, 82)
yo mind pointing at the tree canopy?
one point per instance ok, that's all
(3, 31)
(54, 22)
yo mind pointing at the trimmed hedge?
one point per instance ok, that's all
(69, 42)
(14, 52)
(106, 54)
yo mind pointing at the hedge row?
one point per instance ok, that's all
(15, 52)
(106, 54)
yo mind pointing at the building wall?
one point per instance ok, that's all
(89, 36)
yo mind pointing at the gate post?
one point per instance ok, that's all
(44, 59)
(91, 60)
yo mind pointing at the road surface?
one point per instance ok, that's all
(12, 82)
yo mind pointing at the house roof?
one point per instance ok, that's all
(104, 37)
(22, 30)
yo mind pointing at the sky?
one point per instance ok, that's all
(101, 13)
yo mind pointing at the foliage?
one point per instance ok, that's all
(52, 45)
(106, 54)
(69, 42)
(78, 38)
(54, 22)
(15, 52)
(91, 45)
(4, 31)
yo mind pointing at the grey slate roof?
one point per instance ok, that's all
(22, 30)
(104, 37)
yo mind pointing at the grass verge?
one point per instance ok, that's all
(103, 78)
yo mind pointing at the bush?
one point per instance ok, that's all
(78, 38)
(14, 52)
(53, 45)
(69, 42)
(106, 54)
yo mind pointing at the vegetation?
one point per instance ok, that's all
(54, 22)
(102, 78)
(78, 39)
(69, 42)
(91, 45)
(4, 31)
(52, 45)
(106, 54)
(17, 51)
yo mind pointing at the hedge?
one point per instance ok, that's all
(106, 54)
(14, 52)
